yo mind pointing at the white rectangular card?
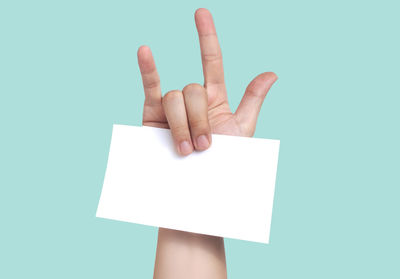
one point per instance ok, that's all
(227, 190)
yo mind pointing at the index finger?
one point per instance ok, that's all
(211, 55)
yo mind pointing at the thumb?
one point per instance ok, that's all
(247, 112)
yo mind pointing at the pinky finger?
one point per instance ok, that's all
(150, 77)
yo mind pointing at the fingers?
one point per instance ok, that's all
(187, 116)
(197, 111)
(211, 55)
(247, 112)
(150, 77)
(175, 111)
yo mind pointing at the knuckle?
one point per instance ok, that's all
(211, 57)
(180, 132)
(200, 125)
(192, 87)
(254, 93)
(246, 130)
(171, 96)
(151, 83)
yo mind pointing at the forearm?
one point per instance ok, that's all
(189, 255)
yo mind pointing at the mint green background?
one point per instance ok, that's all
(68, 71)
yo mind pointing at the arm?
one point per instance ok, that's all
(193, 114)
(189, 255)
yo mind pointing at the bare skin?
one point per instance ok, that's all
(193, 114)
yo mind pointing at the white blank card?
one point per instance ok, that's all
(227, 190)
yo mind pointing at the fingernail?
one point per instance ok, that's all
(185, 148)
(202, 142)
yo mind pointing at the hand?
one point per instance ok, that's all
(197, 111)
(192, 115)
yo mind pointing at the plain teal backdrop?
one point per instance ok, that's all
(68, 71)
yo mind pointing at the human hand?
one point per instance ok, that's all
(192, 115)
(197, 111)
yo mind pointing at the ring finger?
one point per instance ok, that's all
(175, 111)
